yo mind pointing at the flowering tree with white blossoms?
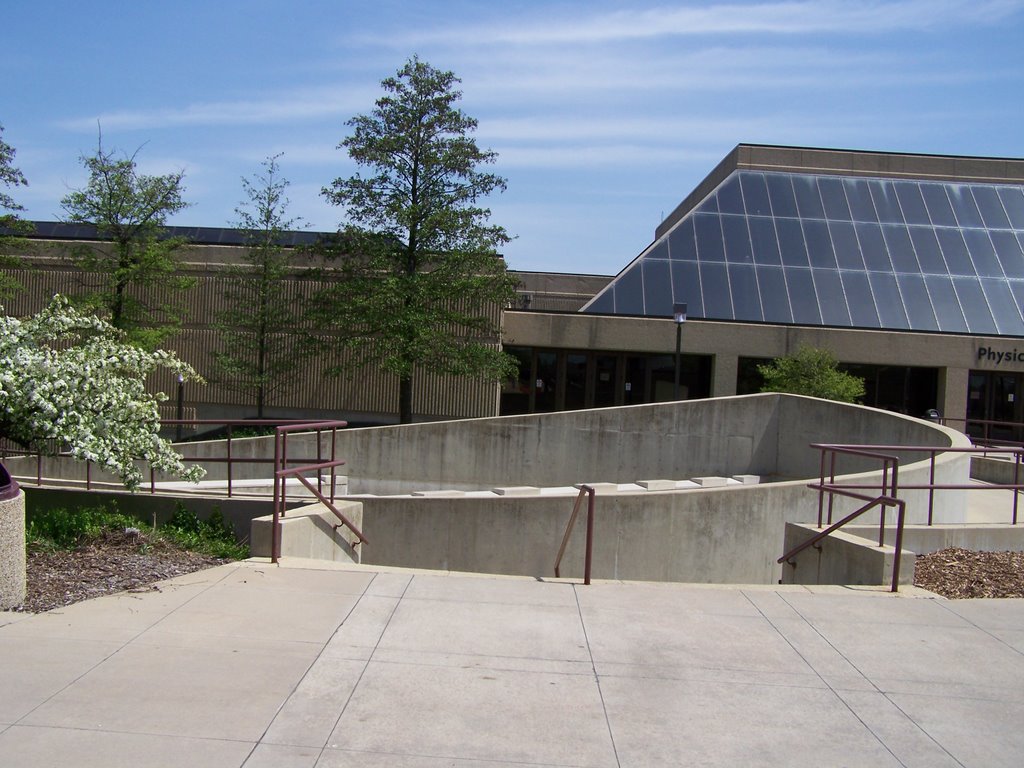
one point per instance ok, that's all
(70, 381)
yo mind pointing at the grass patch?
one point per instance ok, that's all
(66, 529)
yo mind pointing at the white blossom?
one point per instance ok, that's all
(70, 381)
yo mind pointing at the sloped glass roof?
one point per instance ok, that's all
(794, 248)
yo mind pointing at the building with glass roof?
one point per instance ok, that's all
(909, 267)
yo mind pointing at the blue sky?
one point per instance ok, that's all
(604, 114)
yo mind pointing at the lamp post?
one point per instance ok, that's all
(181, 406)
(679, 316)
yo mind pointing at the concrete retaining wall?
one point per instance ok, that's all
(842, 558)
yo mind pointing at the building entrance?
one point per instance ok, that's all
(995, 397)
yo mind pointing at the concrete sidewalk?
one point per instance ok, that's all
(256, 665)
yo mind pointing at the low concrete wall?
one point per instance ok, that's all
(842, 558)
(766, 435)
(312, 532)
(12, 551)
(999, 471)
(924, 539)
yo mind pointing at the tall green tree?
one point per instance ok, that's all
(137, 265)
(258, 329)
(421, 283)
(813, 372)
(10, 221)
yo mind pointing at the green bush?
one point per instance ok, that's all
(62, 528)
(65, 529)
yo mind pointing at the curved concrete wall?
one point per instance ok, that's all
(12, 551)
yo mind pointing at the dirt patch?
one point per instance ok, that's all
(114, 562)
(960, 573)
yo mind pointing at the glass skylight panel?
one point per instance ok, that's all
(964, 207)
(780, 191)
(604, 303)
(730, 199)
(708, 229)
(833, 196)
(819, 244)
(746, 302)
(1013, 203)
(991, 207)
(831, 298)
(939, 209)
(1008, 250)
(974, 304)
(808, 200)
(764, 242)
(872, 246)
(802, 297)
(858, 194)
(955, 250)
(774, 295)
(947, 306)
(737, 239)
(844, 238)
(657, 287)
(755, 194)
(901, 251)
(917, 302)
(979, 246)
(714, 282)
(791, 242)
(863, 313)
(1004, 308)
(883, 194)
(888, 300)
(686, 287)
(658, 251)
(911, 202)
(629, 291)
(681, 243)
(928, 253)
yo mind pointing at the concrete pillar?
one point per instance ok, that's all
(12, 550)
(724, 370)
(953, 394)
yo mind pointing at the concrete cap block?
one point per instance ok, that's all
(439, 494)
(600, 487)
(657, 485)
(517, 490)
(710, 482)
(747, 479)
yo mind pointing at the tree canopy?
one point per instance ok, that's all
(420, 282)
(813, 372)
(138, 264)
(260, 346)
(70, 381)
(10, 219)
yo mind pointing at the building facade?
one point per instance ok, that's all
(909, 268)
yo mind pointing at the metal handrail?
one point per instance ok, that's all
(585, 490)
(888, 490)
(282, 472)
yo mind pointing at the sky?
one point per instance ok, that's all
(604, 114)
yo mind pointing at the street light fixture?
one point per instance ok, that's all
(181, 407)
(679, 316)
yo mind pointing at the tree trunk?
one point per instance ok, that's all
(405, 400)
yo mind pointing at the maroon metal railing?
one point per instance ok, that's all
(585, 490)
(889, 488)
(282, 472)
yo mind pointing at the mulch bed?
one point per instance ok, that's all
(115, 562)
(960, 573)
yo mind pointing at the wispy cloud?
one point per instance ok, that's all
(783, 18)
(276, 108)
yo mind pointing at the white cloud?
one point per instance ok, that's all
(785, 18)
(294, 107)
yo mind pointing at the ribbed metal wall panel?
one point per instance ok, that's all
(370, 392)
